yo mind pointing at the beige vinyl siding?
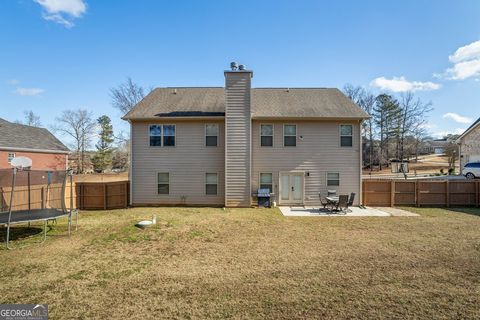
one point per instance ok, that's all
(238, 133)
(318, 151)
(187, 163)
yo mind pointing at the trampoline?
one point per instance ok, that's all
(28, 196)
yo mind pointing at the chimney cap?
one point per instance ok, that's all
(242, 67)
(233, 66)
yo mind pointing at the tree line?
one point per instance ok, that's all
(396, 128)
(82, 129)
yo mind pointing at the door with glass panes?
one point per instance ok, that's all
(291, 188)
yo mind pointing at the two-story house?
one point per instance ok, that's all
(217, 146)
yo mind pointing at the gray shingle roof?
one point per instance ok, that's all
(266, 103)
(19, 136)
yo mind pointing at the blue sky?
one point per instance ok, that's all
(67, 54)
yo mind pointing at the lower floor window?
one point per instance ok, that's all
(10, 157)
(266, 181)
(211, 183)
(333, 179)
(163, 183)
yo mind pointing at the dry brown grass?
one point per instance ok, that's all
(252, 263)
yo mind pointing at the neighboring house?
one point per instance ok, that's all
(46, 151)
(469, 142)
(217, 146)
(438, 146)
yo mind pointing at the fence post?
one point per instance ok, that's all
(392, 193)
(476, 193)
(126, 194)
(417, 192)
(104, 196)
(42, 194)
(447, 191)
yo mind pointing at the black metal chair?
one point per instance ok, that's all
(324, 202)
(352, 198)
(342, 204)
(332, 192)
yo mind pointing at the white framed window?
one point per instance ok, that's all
(346, 135)
(266, 181)
(155, 133)
(333, 179)
(163, 183)
(266, 135)
(289, 135)
(10, 157)
(162, 135)
(211, 135)
(169, 135)
(211, 184)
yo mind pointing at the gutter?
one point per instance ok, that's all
(34, 150)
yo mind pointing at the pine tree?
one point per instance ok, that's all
(386, 114)
(103, 157)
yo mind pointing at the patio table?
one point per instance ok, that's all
(333, 200)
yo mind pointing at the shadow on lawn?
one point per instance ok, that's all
(18, 233)
(467, 210)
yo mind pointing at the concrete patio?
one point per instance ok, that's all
(352, 212)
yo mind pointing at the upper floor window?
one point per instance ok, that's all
(211, 135)
(266, 135)
(10, 157)
(346, 135)
(162, 135)
(289, 135)
(169, 135)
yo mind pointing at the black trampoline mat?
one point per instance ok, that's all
(31, 215)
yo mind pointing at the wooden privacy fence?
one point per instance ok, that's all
(445, 193)
(86, 196)
(102, 195)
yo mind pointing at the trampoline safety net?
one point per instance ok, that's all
(33, 190)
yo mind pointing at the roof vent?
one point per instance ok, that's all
(241, 67)
(233, 66)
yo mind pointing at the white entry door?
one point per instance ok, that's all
(291, 188)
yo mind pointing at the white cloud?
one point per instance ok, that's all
(468, 52)
(29, 91)
(466, 63)
(457, 118)
(442, 134)
(400, 84)
(13, 82)
(62, 11)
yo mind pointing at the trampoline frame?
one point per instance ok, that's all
(64, 211)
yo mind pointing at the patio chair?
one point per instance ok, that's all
(352, 198)
(324, 202)
(332, 192)
(342, 204)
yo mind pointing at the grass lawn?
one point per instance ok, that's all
(252, 263)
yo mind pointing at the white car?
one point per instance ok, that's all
(471, 170)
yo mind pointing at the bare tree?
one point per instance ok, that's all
(412, 117)
(31, 119)
(366, 100)
(78, 125)
(126, 95)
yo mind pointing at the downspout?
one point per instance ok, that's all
(130, 166)
(361, 164)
